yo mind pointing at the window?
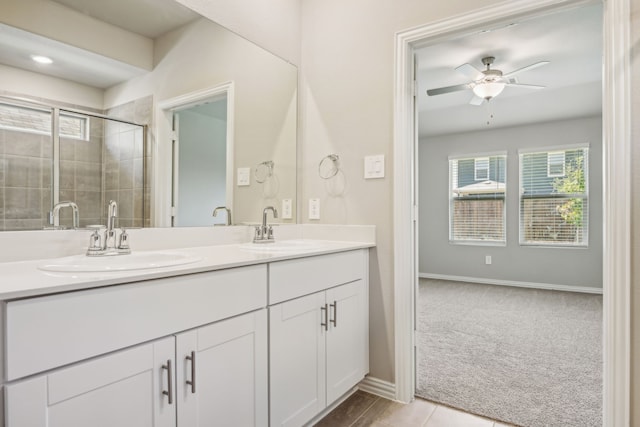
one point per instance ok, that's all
(555, 163)
(554, 202)
(33, 120)
(481, 168)
(477, 209)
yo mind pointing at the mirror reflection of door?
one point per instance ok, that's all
(199, 163)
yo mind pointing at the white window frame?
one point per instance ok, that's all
(549, 244)
(453, 183)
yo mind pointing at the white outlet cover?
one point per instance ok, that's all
(286, 209)
(374, 166)
(244, 177)
(314, 208)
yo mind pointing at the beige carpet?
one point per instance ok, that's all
(524, 356)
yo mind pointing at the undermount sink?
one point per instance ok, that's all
(282, 246)
(133, 261)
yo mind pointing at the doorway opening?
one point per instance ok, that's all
(616, 189)
(196, 144)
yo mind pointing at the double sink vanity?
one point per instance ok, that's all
(234, 334)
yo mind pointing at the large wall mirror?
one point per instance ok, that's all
(146, 103)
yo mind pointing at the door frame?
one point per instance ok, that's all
(616, 189)
(162, 156)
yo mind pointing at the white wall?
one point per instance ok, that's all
(274, 25)
(346, 99)
(15, 81)
(578, 267)
(203, 55)
(635, 215)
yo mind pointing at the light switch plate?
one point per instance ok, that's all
(374, 166)
(286, 209)
(314, 208)
(244, 177)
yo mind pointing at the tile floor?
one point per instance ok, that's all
(364, 409)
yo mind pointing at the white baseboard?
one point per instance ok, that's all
(378, 387)
(548, 286)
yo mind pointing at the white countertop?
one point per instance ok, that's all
(22, 279)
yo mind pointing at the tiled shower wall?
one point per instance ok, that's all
(124, 162)
(109, 166)
(25, 179)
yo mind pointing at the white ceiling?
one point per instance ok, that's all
(570, 40)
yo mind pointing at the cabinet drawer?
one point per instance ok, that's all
(46, 332)
(294, 278)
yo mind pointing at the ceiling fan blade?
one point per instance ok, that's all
(447, 89)
(476, 100)
(470, 71)
(527, 68)
(526, 86)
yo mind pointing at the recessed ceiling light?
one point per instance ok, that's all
(41, 59)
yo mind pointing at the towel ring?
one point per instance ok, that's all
(329, 166)
(263, 171)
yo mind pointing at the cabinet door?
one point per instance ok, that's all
(297, 360)
(222, 373)
(122, 389)
(347, 340)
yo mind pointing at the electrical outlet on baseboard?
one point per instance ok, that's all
(487, 259)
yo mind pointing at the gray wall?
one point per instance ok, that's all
(556, 266)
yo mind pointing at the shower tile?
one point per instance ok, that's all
(138, 173)
(127, 142)
(138, 146)
(24, 143)
(125, 204)
(111, 150)
(25, 172)
(45, 169)
(143, 110)
(111, 178)
(67, 149)
(126, 174)
(90, 203)
(2, 203)
(67, 175)
(2, 226)
(138, 203)
(23, 203)
(23, 224)
(3, 168)
(96, 127)
(89, 151)
(88, 176)
(2, 139)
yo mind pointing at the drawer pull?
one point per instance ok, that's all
(169, 392)
(335, 313)
(326, 317)
(192, 383)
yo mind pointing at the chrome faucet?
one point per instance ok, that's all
(223, 208)
(264, 232)
(108, 242)
(55, 214)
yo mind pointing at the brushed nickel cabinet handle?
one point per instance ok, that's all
(335, 313)
(192, 383)
(326, 317)
(169, 392)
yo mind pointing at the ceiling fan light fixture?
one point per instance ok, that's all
(488, 90)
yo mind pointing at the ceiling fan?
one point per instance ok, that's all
(488, 83)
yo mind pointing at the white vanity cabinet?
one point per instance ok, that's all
(318, 333)
(220, 316)
(222, 373)
(122, 389)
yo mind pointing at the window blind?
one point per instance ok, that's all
(477, 189)
(554, 202)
